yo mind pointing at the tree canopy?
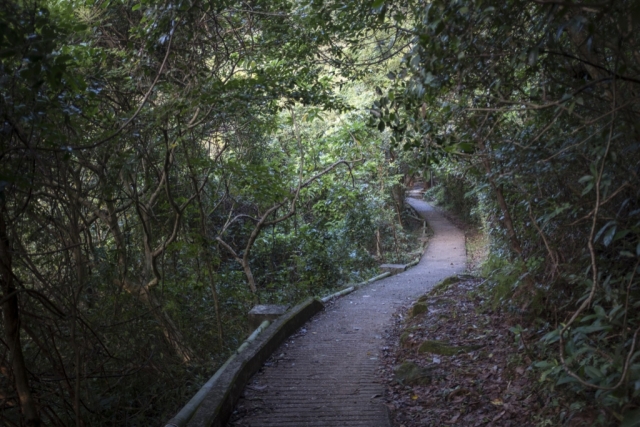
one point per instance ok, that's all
(166, 164)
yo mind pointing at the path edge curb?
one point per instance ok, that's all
(217, 407)
(228, 383)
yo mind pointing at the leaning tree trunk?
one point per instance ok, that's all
(172, 334)
(169, 329)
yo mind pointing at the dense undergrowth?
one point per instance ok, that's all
(533, 106)
(528, 315)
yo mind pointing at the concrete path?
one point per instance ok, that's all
(325, 376)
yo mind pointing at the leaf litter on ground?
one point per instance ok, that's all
(469, 369)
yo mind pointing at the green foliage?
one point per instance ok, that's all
(457, 193)
(163, 167)
(537, 105)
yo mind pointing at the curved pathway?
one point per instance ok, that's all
(325, 375)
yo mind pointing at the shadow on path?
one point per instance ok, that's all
(325, 375)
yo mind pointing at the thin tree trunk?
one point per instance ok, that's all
(507, 221)
(395, 239)
(247, 272)
(514, 243)
(78, 258)
(399, 216)
(144, 293)
(208, 261)
(216, 303)
(11, 314)
(170, 331)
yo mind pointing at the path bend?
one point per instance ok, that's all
(325, 376)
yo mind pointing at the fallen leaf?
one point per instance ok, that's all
(497, 402)
(453, 419)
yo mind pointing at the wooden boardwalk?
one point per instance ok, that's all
(326, 374)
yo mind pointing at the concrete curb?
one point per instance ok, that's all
(214, 403)
(350, 289)
(187, 411)
(218, 404)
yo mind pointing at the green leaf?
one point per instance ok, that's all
(517, 330)
(587, 188)
(631, 419)
(600, 311)
(377, 3)
(551, 337)
(466, 147)
(566, 379)
(603, 229)
(608, 238)
(593, 372)
(620, 234)
(592, 328)
(136, 6)
(543, 364)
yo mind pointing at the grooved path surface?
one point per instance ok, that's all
(325, 375)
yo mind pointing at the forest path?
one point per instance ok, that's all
(326, 374)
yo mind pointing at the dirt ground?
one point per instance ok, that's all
(469, 367)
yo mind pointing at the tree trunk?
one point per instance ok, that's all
(247, 272)
(171, 333)
(514, 243)
(11, 315)
(508, 222)
(398, 193)
(81, 278)
(143, 293)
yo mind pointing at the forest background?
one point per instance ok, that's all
(167, 164)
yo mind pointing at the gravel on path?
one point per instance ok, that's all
(326, 374)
